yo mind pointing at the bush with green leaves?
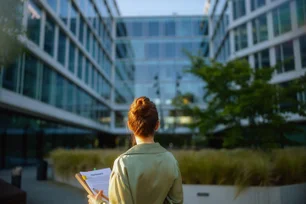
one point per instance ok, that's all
(239, 167)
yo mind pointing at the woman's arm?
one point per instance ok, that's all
(175, 195)
(119, 189)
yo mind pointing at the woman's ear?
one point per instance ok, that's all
(156, 126)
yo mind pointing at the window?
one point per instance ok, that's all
(52, 4)
(71, 57)
(93, 78)
(153, 29)
(255, 4)
(34, 20)
(303, 50)
(260, 30)
(282, 19)
(61, 48)
(241, 38)
(70, 97)
(284, 57)
(152, 50)
(73, 19)
(301, 12)
(238, 8)
(184, 27)
(137, 29)
(64, 10)
(81, 31)
(30, 76)
(87, 67)
(47, 85)
(49, 36)
(10, 74)
(262, 59)
(59, 103)
(169, 29)
(88, 41)
(169, 49)
(80, 65)
(199, 27)
(182, 48)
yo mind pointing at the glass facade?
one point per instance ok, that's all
(303, 50)
(239, 8)
(284, 57)
(241, 37)
(67, 68)
(260, 29)
(151, 57)
(282, 19)
(262, 59)
(301, 12)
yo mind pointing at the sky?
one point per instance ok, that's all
(160, 7)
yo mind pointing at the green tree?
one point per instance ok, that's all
(11, 15)
(243, 105)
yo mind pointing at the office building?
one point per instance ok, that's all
(154, 49)
(60, 91)
(265, 32)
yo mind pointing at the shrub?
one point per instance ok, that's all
(240, 167)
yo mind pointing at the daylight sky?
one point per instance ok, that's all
(160, 7)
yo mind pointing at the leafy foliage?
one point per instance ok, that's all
(243, 103)
(11, 15)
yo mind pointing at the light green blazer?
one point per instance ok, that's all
(146, 174)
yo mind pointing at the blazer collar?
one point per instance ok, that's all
(146, 148)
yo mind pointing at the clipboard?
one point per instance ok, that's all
(78, 176)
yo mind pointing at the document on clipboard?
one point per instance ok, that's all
(95, 181)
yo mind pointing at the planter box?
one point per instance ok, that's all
(213, 194)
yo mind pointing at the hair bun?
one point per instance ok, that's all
(140, 102)
(141, 106)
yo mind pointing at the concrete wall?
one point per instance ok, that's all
(210, 194)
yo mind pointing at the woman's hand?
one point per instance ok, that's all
(95, 199)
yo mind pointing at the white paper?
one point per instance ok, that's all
(98, 180)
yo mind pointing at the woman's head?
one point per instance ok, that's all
(143, 117)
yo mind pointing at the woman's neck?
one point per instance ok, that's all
(142, 140)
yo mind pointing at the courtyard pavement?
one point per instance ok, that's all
(46, 192)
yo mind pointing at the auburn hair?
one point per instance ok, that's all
(142, 117)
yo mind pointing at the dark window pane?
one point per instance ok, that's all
(80, 65)
(303, 50)
(265, 58)
(64, 10)
(52, 4)
(137, 29)
(30, 76)
(285, 17)
(47, 85)
(169, 50)
(185, 28)
(49, 36)
(34, 18)
(87, 65)
(81, 30)
(153, 28)
(73, 19)
(288, 56)
(71, 57)
(61, 51)
(152, 50)
(301, 12)
(170, 28)
(10, 76)
(59, 91)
